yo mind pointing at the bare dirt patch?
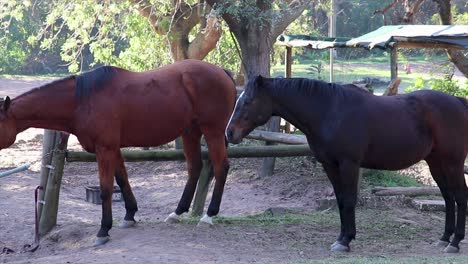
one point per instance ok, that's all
(305, 234)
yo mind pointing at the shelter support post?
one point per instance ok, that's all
(288, 63)
(288, 74)
(393, 62)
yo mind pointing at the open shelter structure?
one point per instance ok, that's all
(386, 37)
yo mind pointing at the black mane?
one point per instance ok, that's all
(310, 87)
(93, 80)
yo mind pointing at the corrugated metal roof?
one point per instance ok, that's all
(432, 36)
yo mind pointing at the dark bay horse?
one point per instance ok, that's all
(349, 128)
(110, 108)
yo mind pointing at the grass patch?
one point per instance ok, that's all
(325, 218)
(383, 178)
(391, 260)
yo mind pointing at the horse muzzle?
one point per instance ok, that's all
(234, 135)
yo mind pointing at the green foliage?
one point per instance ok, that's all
(391, 260)
(14, 32)
(446, 85)
(387, 179)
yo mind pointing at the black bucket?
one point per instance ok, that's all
(93, 194)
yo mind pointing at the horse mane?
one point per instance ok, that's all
(310, 87)
(93, 80)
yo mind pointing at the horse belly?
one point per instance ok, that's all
(395, 150)
(155, 123)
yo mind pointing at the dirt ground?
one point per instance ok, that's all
(383, 230)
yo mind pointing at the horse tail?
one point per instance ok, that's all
(230, 74)
(463, 101)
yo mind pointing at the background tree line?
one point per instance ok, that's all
(43, 37)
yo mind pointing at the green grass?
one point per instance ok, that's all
(387, 179)
(267, 219)
(350, 75)
(391, 260)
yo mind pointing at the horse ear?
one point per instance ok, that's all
(6, 103)
(259, 81)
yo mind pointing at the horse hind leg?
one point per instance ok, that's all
(192, 151)
(131, 206)
(218, 155)
(452, 186)
(107, 159)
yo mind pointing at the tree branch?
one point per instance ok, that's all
(232, 22)
(286, 16)
(410, 10)
(385, 10)
(206, 39)
(146, 10)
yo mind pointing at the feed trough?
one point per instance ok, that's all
(93, 194)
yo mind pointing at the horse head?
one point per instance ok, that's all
(253, 108)
(7, 124)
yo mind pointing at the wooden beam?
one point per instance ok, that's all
(406, 191)
(276, 137)
(392, 88)
(167, 155)
(206, 176)
(49, 212)
(47, 147)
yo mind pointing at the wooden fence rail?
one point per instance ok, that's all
(168, 155)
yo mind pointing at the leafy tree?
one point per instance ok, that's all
(256, 24)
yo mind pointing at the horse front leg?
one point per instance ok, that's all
(131, 206)
(107, 159)
(344, 179)
(192, 152)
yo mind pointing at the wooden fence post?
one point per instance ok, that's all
(47, 147)
(206, 176)
(52, 190)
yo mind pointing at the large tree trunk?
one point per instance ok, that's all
(181, 21)
(255, 47)
(256, 34)
(455, 56)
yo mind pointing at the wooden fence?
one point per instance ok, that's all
(55, 155)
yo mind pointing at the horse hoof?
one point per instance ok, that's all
(173, 218)
(451, 249)
(337, 247)
(101, 241)
(206, 221)
(127, 224)
(442, 244)
(334, 244)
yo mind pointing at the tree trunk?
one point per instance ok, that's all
(456, 57)
(255, 46)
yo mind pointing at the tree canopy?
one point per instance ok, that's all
(73, 35)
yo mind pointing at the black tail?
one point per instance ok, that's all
(231, 75)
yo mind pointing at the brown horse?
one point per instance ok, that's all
(110, 108)
(349, 128)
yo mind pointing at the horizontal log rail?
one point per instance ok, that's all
(168, 155)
